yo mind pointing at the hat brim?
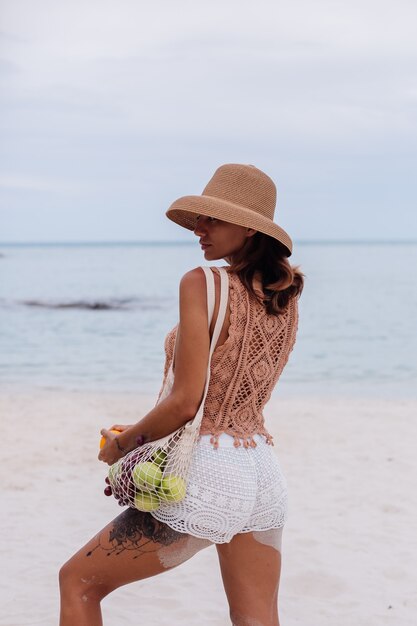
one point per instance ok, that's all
(184, 212)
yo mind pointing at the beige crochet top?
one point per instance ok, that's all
(246, 367)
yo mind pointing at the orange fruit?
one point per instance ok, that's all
(103, 439)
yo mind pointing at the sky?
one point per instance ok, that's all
(112, 109)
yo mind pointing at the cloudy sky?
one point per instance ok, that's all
(111, 109)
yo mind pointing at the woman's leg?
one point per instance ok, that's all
(132, 547)
(251, 565)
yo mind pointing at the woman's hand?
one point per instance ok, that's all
(111, 452)
(120, 427)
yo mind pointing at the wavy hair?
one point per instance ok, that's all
(265, 258)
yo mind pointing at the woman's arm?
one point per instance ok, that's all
(191, 359)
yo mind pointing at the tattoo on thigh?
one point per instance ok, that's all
(136, 531)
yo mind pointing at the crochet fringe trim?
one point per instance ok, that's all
(246, 442)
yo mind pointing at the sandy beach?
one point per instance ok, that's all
(349, 550)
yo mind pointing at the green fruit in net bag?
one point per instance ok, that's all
(159, 457)
(113, 472)
(172, 489)
(146, 474)
(146, 501)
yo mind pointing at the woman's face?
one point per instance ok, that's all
(219, 239)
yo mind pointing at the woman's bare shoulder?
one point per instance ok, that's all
(193, 280)
(196, 275)
(192, 290)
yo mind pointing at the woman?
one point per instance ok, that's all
(236, 496)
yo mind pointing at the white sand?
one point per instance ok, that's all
(350, 546)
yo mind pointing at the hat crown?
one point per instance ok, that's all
(244, 185)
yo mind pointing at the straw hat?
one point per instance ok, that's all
(239, 194)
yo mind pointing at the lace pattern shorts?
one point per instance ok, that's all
(230, 490)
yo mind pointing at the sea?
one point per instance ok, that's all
(93, 317)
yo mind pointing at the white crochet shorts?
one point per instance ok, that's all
(230, 490)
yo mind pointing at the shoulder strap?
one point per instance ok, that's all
(210, 292)
(224, 293)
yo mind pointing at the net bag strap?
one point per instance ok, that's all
(224, 292)
(210, 292)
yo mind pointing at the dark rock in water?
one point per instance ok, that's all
(94, 305)
(106, 304)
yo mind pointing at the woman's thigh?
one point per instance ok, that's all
(251, 566)
(132, 547)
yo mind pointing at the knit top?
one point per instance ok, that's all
(246, 367)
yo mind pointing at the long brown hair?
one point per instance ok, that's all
(265, 257)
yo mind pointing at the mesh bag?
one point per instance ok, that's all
(157, 472)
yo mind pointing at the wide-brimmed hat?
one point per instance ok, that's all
(239, 194)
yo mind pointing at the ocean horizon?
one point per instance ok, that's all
(161, 242)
